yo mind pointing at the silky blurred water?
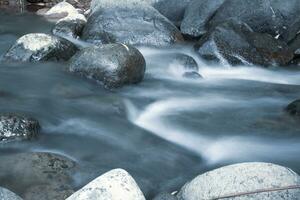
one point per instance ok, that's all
(165, 130)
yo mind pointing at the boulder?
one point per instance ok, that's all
(61, 10)
(114, 65)
(294, 108)
(35, 47)
(5, 194)
(165, 196)
(192, 75)
(197, 15)
(244, 178)
(295, 46)
(15, 127)
(37, 175)
(129, 23)
(114, 185)
(236, 43)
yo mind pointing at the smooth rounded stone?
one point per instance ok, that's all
(165, 196)
(61, 10)
(197, 15)
(237, 44)
(240, 178)
(70, 26)
(129, 23)
(37, 174)
(16, 127)
(114, 185)
(192, 75)
(274, 17)
(35, 47)
(5, 194)
(114, 65)
(294, 108)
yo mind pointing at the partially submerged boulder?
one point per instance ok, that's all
(236, 43)
(114, 185)
(244, 178)
(16, 127)
(35, 47)
(129, 23)
(114, 65)
(5, 194)
(61, 10)
(294, 108)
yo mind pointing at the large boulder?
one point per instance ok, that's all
(261, 181)
(114, 65)
(294, 108)
(236, 43)
(35, 47)
(197, 15)
(114, 185)
(15, 127)
(5, 194)
(129, 23)
(37, 176)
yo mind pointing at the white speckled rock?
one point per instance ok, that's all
(61, 10)
(245, 177)
(40, 47)
(5, 194)
(116, 184)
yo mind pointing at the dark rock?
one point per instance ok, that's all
(238, 44)
(274, 17)
(114, 65)
(35, 175)
(192, 75)
(294, 108)
(188, 62)
(295, 46)
(5, 194)
(165, 196)
(15, 127)
(197, 15)
(130, 23)
(70, 26)
(40, 47)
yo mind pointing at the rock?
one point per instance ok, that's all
(274, 17)
(197, 15)
(295, 46)
(113, 185)
(37, 176)
(70, 26)
(114, 65)
(14, 127)
(61, 10)
(129, 23)
(294, 108)
(236, 43)
(192, 75)
(165, 196)
(35, 47)
(5, 194)
(240, 178)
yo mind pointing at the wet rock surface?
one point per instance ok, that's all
(16, 127)
(5, 194)
(114, 65)
(294, 108)
(40, 47)
(165, 196)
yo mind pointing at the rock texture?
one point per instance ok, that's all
(114, 185)
(35, 47)
(236, 43)
(114, 65)
(245, 177)
(129, 23)
(5, 194)
(15, 127)
(165, 196)
(294, 108)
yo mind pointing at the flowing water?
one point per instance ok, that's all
(165, 130)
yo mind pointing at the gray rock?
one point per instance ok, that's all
(192, 75)
(61, 10)
(197, 15)
(236, 43)
(294, 108)
(240, 178)
(36, 175)
(114, 65)
(5, 194)
(165, 196)
(35, 47)
(15, 127)
(295, 46)
(114, 185)
(129, 23)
